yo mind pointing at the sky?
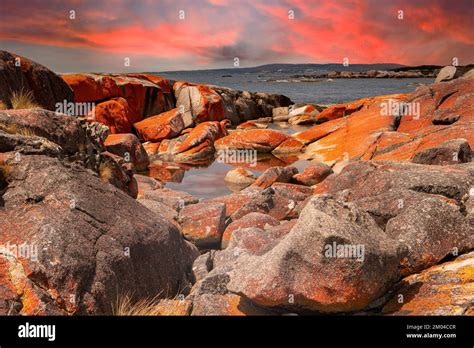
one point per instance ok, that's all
(163, 35)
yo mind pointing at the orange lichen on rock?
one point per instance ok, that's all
(445, 289)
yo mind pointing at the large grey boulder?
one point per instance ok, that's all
(86, 243)
(421, 206)
(335, 259)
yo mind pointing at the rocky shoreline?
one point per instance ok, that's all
(379, 222)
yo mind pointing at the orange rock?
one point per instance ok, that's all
(128, 147)
(203, 223)
(164, 84)
(166, 172)
(288, 146)
(317, 132)
(302, 119)
(205, 131)
(114, 113)
(199, 103)
(172, 307)
(445, 289)
(251, 125)
(446, 113)
(195, 146)
(261, 140)
(145, 95)
(151, 148)
(351, 137)
(237, 200)
(341, 110)
(275, 174)
(313, 174)
(163, 126)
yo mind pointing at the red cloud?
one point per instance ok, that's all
(365, 31)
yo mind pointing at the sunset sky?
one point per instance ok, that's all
(214, 32)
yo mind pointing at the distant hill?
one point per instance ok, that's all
(299, 68)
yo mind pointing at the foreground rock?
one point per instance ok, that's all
(60, 129)
(306, 269)
(445, 289)
(93, 243)
(176, 200)
(421, 206)
(21, 75)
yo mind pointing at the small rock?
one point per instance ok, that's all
(240, 177)
(173, 199)
(128, 147)
(275, 174)
(203, 223)
(256, 219)
(450, 152)
(313, 174)
(281, 111)
(160, 209)
(163, 126)
(173, 307)
(146, 183)
(446, 74)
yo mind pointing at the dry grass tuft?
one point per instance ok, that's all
(125, 306)
(23, 99)
(5, 172)
(16, 129)
(3, 105)
(106, 172)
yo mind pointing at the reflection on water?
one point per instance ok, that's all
(207, 181)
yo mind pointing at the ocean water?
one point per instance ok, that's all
(208, 182)
(322, 92)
